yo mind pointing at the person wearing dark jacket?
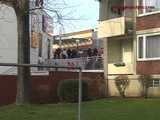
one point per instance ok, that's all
(69, 52)
(89, 52)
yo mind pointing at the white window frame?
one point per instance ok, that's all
(144, 10)
(153, 85)
(144, 58)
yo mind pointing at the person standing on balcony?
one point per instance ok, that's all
(64, 54)
(80, 52)
(95, 52)
(59, 53)
(89, 52)
(100, 52)
(40, 62)
(74, 53)
(69, 53)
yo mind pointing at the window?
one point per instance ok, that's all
(40, 46)
(115, 8)
(49, 48)
(140, 47)
(154, 83)
(153, 46)
(148, 6)
(148, 47)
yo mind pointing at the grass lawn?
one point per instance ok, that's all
(106, 109)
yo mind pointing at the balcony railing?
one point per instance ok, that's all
(87, 63)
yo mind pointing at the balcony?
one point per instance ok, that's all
(116, 18)
(121, 26)
(86, 63)
(120, 56)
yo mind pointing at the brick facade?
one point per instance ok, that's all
(148, 67)
(148, 22)
(144, 23)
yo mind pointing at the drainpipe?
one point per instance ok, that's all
(103, 16)
(134, 38)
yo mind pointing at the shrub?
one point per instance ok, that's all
(145, 81)
(68, 90)
(122, 82)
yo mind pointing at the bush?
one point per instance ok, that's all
(68, 90)
(122, 82)
(145, 81)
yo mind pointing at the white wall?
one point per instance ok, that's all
(45, 37)
(8, 36)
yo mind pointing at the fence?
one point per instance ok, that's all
(63, 67)
(45, 87)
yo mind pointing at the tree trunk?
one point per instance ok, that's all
(21, 8)
(24, 77)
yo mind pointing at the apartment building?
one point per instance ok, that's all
(130, 31)
(41, 30)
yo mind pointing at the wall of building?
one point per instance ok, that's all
(148, 24)
(134, 88)
(8, 36)
(148, 67)
(42, 35)
(120, 51)
(47, 39)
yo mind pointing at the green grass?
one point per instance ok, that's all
(106, 109)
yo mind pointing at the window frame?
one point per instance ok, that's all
(144, 10)
(144, 58)
(153, 85)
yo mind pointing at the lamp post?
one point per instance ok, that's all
(77, 42)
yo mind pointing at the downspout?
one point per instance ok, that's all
(103, 16)
(134, 38)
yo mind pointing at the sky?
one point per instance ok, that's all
(87, 13)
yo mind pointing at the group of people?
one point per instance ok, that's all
(77, 53)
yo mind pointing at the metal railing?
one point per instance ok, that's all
(86, 63)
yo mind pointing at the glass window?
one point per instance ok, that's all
(156, 83)
(147, 6)
(152, 5)
(140, 47)
(140, 9)
(149, 47)
(115, 8)
(153, 46)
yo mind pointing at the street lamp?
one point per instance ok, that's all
(77, 42)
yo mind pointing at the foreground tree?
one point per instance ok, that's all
(21, 8)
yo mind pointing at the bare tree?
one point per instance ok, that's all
(122, 83)
(22, 10)
(145, 81)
